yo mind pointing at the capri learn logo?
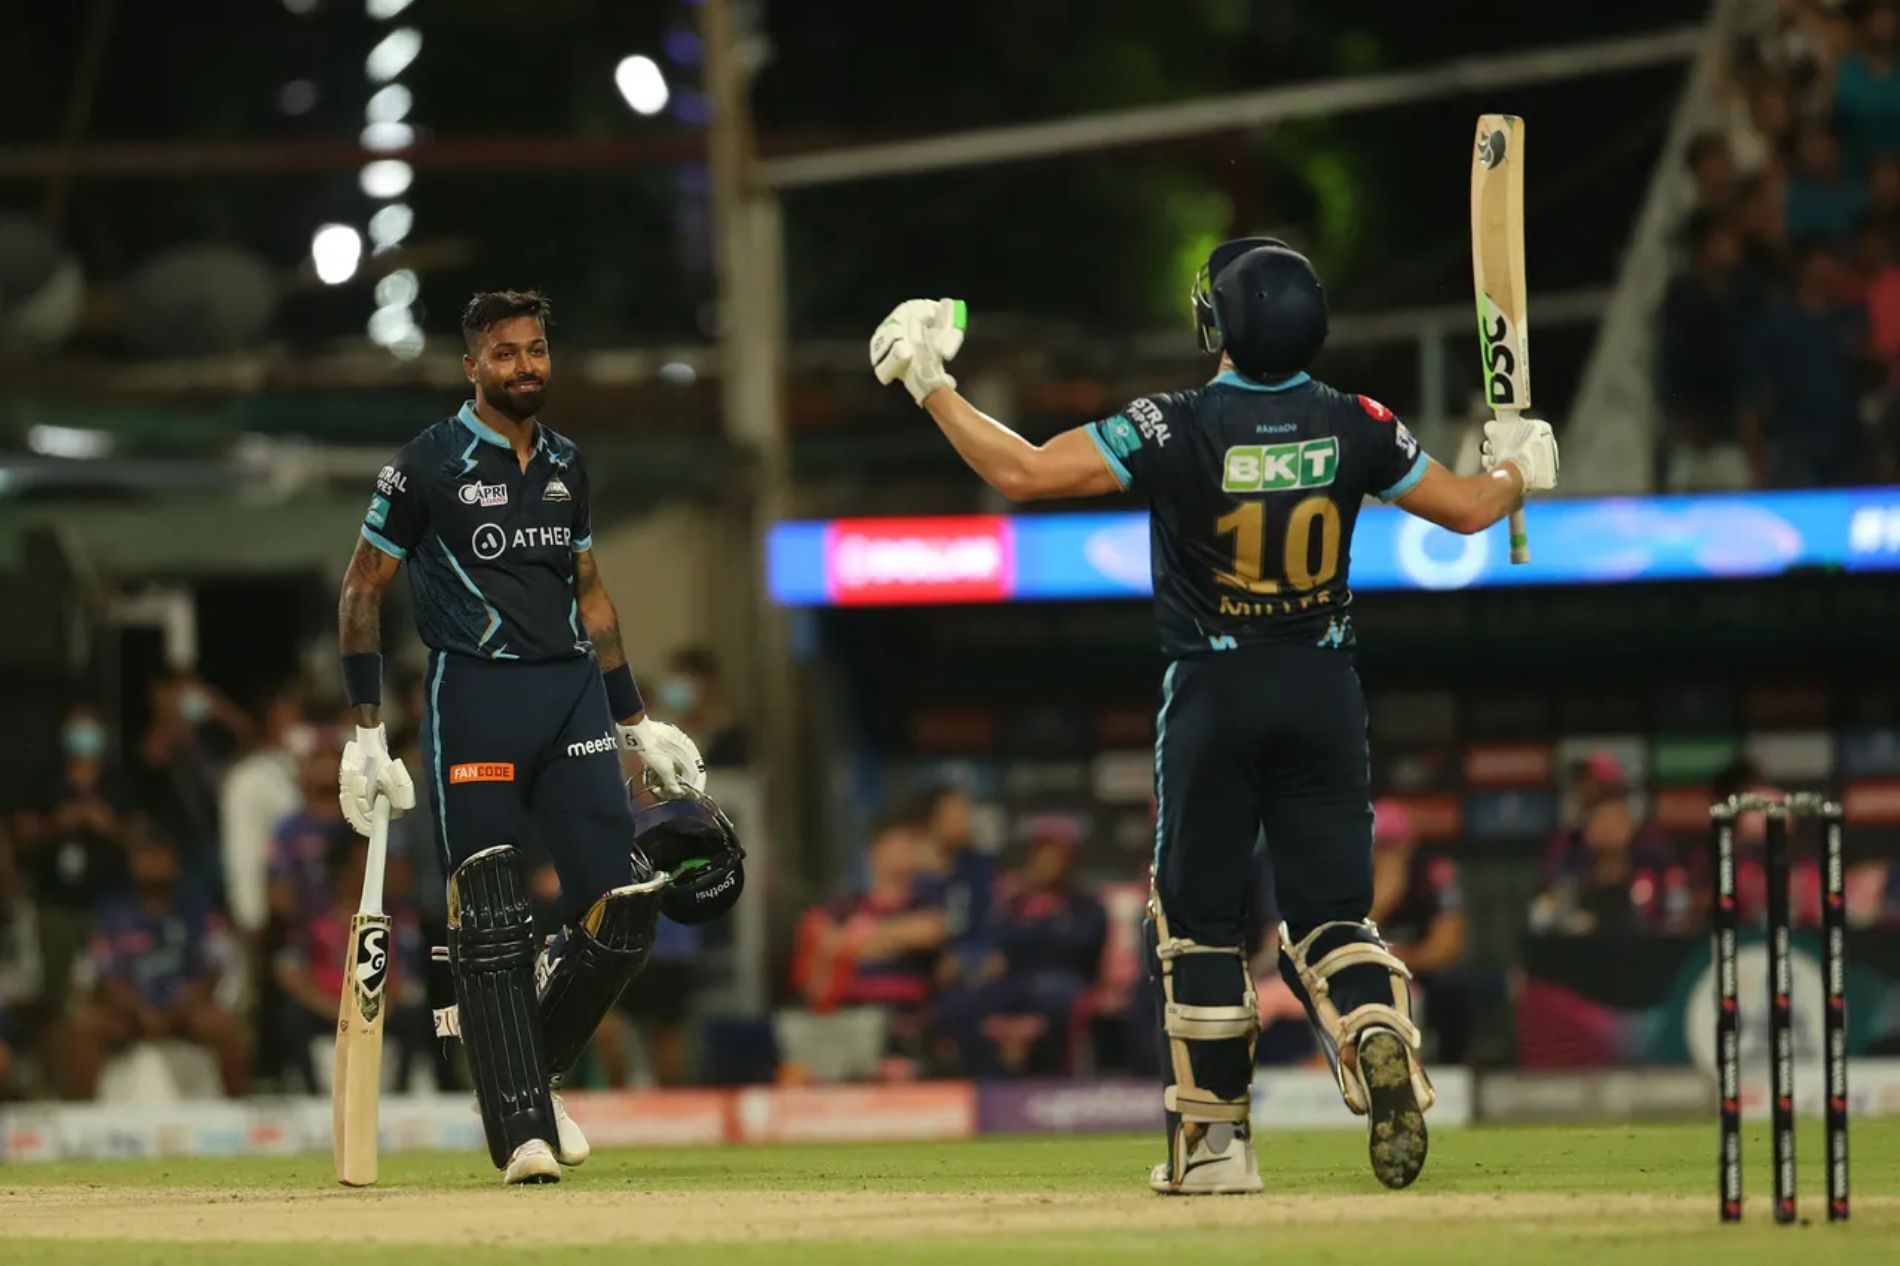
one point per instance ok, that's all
(1280, 467)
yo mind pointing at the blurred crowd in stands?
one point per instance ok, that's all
(1778, 347)
(189, 886)
(192, 885)
(1033, 968)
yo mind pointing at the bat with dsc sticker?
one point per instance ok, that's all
(1497, 274)
(356, 1085)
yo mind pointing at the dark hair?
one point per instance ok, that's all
(1703, 146)
(491, 306)
(696, 659)
(921, 806)
(1704, 225)
(901, 819)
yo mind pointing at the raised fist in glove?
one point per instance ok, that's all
(915, 340)
(367, 771)
(673, 763)
(1526, 443)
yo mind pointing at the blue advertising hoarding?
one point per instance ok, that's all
(1054, 557)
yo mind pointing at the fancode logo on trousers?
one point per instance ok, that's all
(482, 771)
(1280, 467)
(593, 747)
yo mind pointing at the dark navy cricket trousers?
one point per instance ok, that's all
(507, 740)
(1262, 740)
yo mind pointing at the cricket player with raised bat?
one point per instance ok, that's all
(1254, 481)
(529, 703)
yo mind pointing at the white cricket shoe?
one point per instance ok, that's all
(1221, 1164)
(533, 1162)
(570, 1145)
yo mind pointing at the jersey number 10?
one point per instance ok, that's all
(1247, 523)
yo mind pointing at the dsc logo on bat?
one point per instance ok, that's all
(1501, 357)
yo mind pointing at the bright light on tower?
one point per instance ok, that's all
(390, 104)
(399, 289)
(641, 83)
(382, 10)
(388, 136)
(389, 323)
(336, 250)
(392, 54)
(391, 224)
(386, 178)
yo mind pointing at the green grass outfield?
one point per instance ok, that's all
(1500, 1196)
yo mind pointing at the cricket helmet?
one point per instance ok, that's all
(1260, 301)
(693, 841)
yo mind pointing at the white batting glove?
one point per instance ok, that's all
(672, 759)
(1526, 443)
(914, 341)
(368, 770)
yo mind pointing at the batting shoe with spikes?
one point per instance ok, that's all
(1395, 1124)
(533, 1162)
(1221, 1164)
(570, 1145)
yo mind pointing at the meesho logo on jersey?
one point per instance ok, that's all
(1280, 467)
(871, 562)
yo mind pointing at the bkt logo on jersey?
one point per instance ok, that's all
(1280, 467)
(483, 494)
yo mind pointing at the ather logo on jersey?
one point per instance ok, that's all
(1280, 467)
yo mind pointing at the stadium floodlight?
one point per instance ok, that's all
(641, 84)
(409, 344)
(399, 289)
(389, 104)
(388, 136)
(386, 178)
(391, 224)
(392, 54)
(390, 322)
(383, 10)
(336, 250)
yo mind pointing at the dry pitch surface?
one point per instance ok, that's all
(1637, 1194)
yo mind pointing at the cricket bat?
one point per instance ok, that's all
(1497, 274)
(356, 1082)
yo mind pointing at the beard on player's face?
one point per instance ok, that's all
(517, 395)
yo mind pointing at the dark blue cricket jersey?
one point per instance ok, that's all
(1253, 490)
(490, 546)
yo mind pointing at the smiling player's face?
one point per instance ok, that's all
(510, 368)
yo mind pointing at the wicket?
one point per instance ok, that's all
(1780, 814)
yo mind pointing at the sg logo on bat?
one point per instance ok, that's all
(371, 969)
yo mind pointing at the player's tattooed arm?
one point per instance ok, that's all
(359, 611)
(598, 616)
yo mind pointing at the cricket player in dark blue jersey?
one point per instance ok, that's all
(528, 704)
(1254, 482)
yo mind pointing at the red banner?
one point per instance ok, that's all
(920, 561)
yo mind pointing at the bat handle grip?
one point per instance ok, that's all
(372, 902)
(1520, 537)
